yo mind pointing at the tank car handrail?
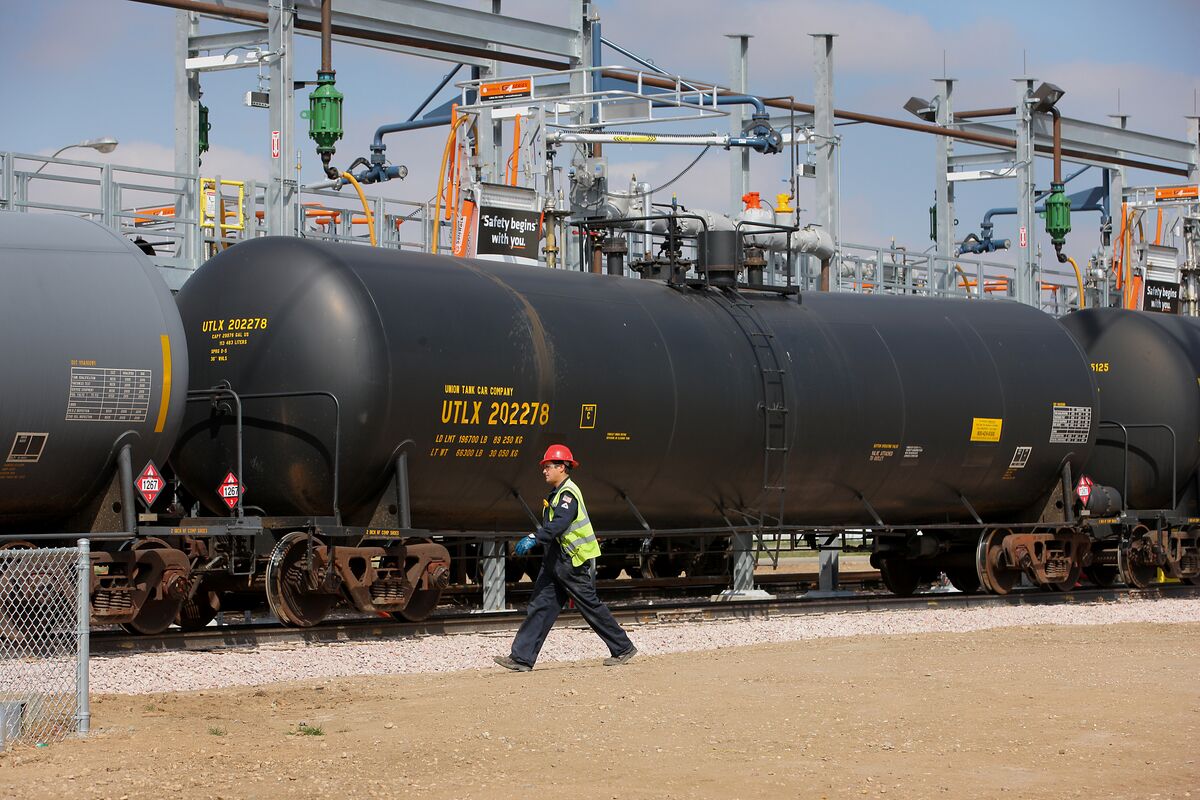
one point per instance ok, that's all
(207, 394)
(764, 226)
(1107, 423)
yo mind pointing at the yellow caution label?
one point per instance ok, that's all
(587, 416)
(986, 429)
(635, 138)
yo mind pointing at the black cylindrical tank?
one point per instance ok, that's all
(94, 356)
(909, 403)
(1147, 367)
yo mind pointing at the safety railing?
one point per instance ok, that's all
(895, 270)
(338, 216)
(611, 104)
(44, 617)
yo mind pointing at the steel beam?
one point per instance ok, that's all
(435, 22)
(453, 22)
(1079, 147)
(251, 37)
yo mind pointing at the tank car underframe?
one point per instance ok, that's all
(1136, 545)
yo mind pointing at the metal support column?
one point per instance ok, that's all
(1193, 135)
(943, 188)
(281, 210)
(83, 611)
(492, 552)
(827, 560)
(739, 81)
(742, 562)
(1116, 199)
(187, 130)
(826, 149)
(1028, 273)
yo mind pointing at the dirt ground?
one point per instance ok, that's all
(1044, 712)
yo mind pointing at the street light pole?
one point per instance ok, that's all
(105, 144)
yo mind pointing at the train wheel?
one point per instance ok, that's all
(291, 598)
(1138, 568)
(422, 604)
(156, 614)
(899, 576)
(198, 610)
(994, 574)
(965, 579)
(1103, 575)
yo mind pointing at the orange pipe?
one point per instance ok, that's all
(514, 160)
(1158, 228)
(462, 230)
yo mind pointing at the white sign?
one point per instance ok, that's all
(1023, 237)
(275, 147)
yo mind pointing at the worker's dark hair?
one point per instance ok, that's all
(566, 465)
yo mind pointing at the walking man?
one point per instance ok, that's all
(568, 570)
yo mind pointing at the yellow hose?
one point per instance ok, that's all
(1078, 280)
(966, 284)
(366, 208)
(437, 210)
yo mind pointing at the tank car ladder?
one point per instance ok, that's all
(773, 405)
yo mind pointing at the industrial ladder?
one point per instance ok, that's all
(773, 404)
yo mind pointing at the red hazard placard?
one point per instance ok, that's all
(230, 490)
(1084, 488)
(149, 483)
(274, 144)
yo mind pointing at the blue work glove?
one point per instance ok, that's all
(525, 545)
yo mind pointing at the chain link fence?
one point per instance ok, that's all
(44, 616)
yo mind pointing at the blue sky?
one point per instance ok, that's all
(82, 68)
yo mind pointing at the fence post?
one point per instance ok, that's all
(83, 570)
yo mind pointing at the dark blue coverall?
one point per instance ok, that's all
(556, 581)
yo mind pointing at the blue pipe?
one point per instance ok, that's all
(441, 85)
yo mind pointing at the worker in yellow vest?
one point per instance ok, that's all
(568, 570)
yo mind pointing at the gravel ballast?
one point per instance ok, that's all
(148, 673)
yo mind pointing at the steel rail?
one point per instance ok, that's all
(234, 637)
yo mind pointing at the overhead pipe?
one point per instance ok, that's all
(985, 112)
(889, 122)
(326, 35)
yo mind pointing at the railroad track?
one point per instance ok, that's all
(251, 635)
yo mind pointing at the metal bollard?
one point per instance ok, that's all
(83, 607)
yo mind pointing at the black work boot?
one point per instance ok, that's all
(616, 661)
(508, 663)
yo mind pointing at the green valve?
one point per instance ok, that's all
(325, 113)
(203, 128)
(1058, 215)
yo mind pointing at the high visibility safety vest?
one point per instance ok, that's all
(579, 541)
